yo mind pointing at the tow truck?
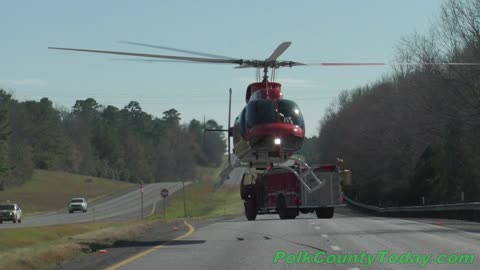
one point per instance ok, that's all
(291, 189)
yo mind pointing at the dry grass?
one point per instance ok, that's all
(45, 249)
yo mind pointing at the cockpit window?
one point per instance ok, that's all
(260, 112)
(265, 111)
(289, 112)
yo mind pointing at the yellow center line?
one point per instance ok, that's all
(191, 229)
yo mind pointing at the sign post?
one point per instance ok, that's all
(164, 194)
(141, 199)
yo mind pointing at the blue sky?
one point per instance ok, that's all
(340, 30)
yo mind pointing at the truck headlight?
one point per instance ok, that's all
(277, 141)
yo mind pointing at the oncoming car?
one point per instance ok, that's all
(77, 204)
(10, 212)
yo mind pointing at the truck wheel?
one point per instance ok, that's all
(20, 221)
(325, 212)
(14, 220)
(250, 209)
(292, 213)
(282, 208)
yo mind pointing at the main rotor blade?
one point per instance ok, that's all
(163, 61)
(193, 59)
(177, 50)
(279, 50)
(437, 64)
(345, 64)
(393, 64)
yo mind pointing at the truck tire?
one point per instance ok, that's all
(292, 213)
(325, 212)
(283, 211)
(20, 221)
(250, 209)
(282, 207)
(14, 220)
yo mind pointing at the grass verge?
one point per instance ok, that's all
(202, 200)
(44, 247)
(50, 190)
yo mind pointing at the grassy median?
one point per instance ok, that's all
(50, 190)
(203, 200)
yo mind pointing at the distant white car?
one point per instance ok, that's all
(77, 204)
(10, 212)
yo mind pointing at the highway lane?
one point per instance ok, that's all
(240, 244)
(235, 177)
(122, 207)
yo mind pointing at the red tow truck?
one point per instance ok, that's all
(294, 189)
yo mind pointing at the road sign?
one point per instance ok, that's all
(164, 193)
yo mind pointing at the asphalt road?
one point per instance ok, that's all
(113, 208)
(235, 177)
(239, 244)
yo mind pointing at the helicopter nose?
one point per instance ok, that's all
(276, 137)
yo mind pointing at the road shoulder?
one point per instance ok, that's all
(161, 235)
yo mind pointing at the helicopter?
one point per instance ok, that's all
(269, 129)
(266, 135)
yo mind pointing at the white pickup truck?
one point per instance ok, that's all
(77, 204)
(10, 212)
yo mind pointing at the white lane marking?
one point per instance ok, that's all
(324, 235)
(317, 227)
(335, 247)
(313, 223)
(354, 268)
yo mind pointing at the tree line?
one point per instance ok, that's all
(126, 144)
(416, 132)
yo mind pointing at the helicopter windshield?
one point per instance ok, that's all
(289, 112)
(265, 111)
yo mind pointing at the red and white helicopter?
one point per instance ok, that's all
(269, 129)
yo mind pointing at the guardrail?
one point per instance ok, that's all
(464, 211)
